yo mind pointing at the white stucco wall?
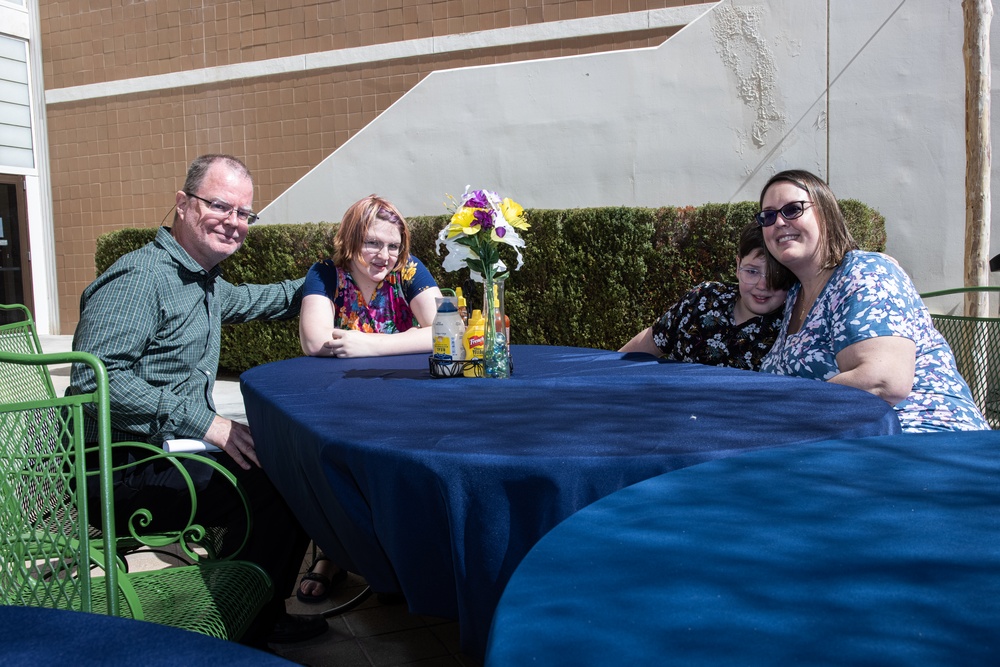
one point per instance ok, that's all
(736, 96)
(897, 127)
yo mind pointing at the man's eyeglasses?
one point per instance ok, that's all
(750, 276)
(789, 211)
(222, 210)
(375, 247)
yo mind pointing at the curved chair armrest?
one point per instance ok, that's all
(192, 534)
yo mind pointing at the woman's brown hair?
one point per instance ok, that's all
(835, 238)
(350, 239)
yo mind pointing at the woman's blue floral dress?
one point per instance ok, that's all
(389, 310)
(870, 295)
(699, 329)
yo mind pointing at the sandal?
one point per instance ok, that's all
(328, 583)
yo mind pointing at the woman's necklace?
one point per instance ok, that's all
(804, 302)
(800, 308)
(798, 314)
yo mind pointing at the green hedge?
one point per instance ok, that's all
(592, 277)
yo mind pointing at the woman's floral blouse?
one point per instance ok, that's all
(389, 310)
(870, 295)
(699, 328)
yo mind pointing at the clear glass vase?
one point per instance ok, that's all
(496, 351)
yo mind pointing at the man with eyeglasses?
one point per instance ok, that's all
(154, 318)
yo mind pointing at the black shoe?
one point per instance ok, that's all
(291, 628)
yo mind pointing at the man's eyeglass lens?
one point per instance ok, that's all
(789, 211)
(224, 209)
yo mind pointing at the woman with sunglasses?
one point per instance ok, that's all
(721, 324)
(855, 317)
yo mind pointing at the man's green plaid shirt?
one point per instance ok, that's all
(155, 319)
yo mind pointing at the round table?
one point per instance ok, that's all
(38, 636)
(436, 488)
(849, 552)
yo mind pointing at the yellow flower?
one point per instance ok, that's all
(461, 222)
(408, 271)
(513, 213)
(473, 212)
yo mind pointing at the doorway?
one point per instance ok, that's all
(15, 256)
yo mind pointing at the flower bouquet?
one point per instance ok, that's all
(480, 222)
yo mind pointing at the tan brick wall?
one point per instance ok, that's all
(116, 162)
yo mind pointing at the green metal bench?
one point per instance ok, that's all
(976, 344)
(48, 556)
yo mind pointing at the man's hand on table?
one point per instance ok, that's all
(234, 439)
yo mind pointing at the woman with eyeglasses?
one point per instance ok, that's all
(855, 317)
(721, 324)
(373, 298)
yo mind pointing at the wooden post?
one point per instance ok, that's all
(976, 51)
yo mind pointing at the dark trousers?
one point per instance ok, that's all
(277, 542)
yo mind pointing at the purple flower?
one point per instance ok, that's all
(500, 231)
(477, 200)
(484, 218)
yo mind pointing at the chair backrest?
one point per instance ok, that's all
(976, 344)
(22, 382)
(46, 555)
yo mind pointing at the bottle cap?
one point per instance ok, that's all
(461, 299)
(447, 304)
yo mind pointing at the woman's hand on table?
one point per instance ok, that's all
(234, 439)
(348, 343)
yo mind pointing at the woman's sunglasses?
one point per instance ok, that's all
(789, 211)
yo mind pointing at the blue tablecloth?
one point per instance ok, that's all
(36, 636)
(437, 488)
(879, 551)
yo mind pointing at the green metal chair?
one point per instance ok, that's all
(48, 557)
(27, 383)
(976, 344)
(22, 382)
